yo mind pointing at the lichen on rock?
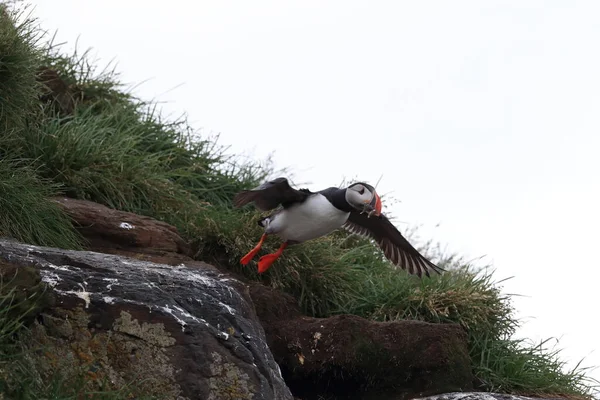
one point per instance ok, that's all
(228, 381)
(61, 346)
(151, 333)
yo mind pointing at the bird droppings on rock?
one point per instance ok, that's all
(177, 313)
(62, 267)
(83, 294)
(185, 313)
(50, 278)
(112, 281)
(229, 309)
(126, 225)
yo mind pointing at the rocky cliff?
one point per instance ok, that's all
(136, 310)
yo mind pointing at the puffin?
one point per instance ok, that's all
(301, 215)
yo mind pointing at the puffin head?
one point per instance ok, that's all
(363, 197)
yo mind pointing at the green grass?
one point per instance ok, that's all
(117, 150)
(26, 211)
(19, 59)
(523, 367)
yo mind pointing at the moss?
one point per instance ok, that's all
(456, 351)
(371, 356)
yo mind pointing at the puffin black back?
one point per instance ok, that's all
(337, 197)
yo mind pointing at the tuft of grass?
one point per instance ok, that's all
(25, 211)
(27, 214)
(13, 310)
(102, 158)
(527, 368)
(128, 159)
(19, 55)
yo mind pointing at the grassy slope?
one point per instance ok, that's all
(21, 188)
(116, 150)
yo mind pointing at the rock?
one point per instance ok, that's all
(118, 232)
(482, 396)
(272, 305)
(170, 332)
(348, 357)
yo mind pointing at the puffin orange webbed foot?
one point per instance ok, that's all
(246, 259)
(265, 262)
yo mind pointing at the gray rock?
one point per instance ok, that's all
(189, 331)
(477, 396)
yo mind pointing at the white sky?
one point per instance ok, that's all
(483, 117)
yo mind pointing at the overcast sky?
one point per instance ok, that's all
(482, 117)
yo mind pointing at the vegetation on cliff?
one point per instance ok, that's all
(72, 130)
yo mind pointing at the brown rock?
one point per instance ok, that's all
(119, 232)
(272, 305)
(348, 357)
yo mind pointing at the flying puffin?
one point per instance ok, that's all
(306, 215)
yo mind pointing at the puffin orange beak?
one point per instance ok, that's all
(377, 205)
(374, 205)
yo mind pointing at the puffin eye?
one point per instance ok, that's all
(361, 191)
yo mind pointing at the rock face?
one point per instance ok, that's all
(347, 357)
(183, 332)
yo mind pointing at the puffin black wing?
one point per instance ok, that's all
(271, 194)
(395, 247)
